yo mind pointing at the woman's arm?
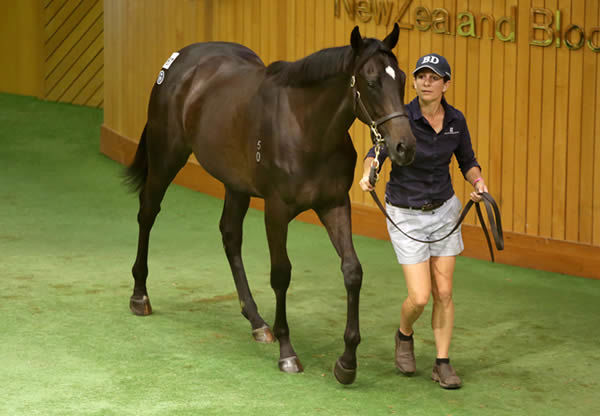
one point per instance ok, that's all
(474, 177)
(364, 183)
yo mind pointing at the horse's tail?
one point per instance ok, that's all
(136, 173)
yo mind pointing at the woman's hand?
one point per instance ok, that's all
(365, 185)
(479, 188)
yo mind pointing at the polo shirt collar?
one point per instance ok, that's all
(415, 110)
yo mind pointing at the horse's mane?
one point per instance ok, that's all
(321, 65)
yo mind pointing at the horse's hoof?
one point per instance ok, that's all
(140, 307)
(264, 335)
(344, 375)
(290, 365)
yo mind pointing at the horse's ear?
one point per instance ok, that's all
(391, 39)
(356, 39)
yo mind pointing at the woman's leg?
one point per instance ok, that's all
(418, 283)
(442, 318)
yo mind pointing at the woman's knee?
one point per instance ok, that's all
(443, 296)
(419, 300)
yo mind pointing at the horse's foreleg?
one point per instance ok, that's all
(337, 222)
(231, 225)
(277, 217)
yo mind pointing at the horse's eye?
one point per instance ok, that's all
(372, 84)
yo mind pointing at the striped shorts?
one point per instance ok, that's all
(425, 225)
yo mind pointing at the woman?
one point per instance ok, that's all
(421, 201)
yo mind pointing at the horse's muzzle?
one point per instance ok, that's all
(401, 153)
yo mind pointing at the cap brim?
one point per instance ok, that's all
(432, 68)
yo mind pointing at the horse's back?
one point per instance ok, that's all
(197, 52)
(204, 56)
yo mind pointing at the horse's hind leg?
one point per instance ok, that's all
(234, 211)
(277, 217)
(337, 222)
(167, 162)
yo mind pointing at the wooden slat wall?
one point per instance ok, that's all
(74, 51)
(533, 112)
(21, 43)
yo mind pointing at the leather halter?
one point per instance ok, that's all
(373, 124)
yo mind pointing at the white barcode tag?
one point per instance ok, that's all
(170, 60)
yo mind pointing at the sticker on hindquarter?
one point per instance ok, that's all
(161, 77)
(169, 61)
(167, 65)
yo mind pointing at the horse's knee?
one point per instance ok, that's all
(353, 274)
(281, 275)
(147, 215)
(231, 240)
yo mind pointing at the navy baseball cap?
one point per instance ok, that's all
(437, 63)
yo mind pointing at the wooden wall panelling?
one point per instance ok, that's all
(484, 103)
(88, 94)
(596, 171)
(55, 24)
(510, 138)
(494, 175)
(73, 50)
(21, 47)
(533, 128)
(560, 133)
(57, 67)
(51, 8)
(78, 85)
(547, 135)
(78, 73)
(588, 139)
(574, 131)
(472, 105)
(532, 182)
(63, 24)
(460, 86)
(522, 111)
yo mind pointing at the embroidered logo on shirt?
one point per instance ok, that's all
(451, 131)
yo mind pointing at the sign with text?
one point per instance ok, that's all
(545, 25)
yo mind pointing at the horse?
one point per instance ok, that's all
(277, 132)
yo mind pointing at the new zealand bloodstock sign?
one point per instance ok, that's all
(546, 27)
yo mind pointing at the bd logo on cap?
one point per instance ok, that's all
(430, 58)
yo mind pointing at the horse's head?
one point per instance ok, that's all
(378, 88)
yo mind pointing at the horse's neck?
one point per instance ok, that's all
(329, 112)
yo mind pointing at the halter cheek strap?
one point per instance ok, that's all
(373, 124)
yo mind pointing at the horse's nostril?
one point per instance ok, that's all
(401, 148)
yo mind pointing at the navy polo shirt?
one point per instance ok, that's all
(427, 179)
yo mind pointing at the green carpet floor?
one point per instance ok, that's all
(526, 342)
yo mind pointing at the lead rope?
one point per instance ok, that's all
(493, 218)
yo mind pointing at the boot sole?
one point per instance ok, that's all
(436, 378)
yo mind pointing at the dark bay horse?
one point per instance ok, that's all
(279, 133)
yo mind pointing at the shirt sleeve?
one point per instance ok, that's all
(464, 152)
(383, 154)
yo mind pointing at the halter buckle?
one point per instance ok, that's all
(377, 136)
